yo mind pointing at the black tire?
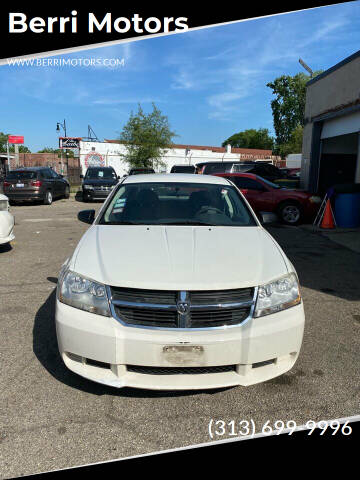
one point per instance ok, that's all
(290, 213)
(85, 198)
(48, 198)
(67, 192)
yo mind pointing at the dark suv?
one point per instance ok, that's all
(35, 183)
(98, 182)
(182, 169)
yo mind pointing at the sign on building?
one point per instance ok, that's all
(69, 142)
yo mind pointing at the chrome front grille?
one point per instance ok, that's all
(102, 188)
(167, 309)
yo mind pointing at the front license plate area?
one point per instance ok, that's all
(19, 185)
(184, 355)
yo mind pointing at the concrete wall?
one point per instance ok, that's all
(337, 89)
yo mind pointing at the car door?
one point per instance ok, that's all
(60, 183)
(50, 182)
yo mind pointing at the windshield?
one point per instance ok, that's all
(271, 184)
(180, 203)
(24, 175)
(100, 173)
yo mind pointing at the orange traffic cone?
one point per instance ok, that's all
(328, 218)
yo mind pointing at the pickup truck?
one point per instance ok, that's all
(177, 285)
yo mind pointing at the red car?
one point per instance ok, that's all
(292, 206)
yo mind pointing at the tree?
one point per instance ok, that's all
(146, 137)
(3, 142)
(251, 139)
(288, 106)
(294, 145)
(60, 152)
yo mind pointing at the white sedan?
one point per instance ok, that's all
(177, 285)
(6, 221)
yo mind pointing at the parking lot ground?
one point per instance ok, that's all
(51, 418)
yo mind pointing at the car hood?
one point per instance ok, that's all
(179, 257)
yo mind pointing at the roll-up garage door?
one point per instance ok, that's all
(341, 125)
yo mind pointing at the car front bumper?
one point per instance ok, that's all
(96, 194)
(258, 350)
(6, 227)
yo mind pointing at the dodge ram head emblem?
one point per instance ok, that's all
(182, 308)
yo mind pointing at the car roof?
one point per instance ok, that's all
(100, 168)
(28, 169)
(182, 165)
(175, 177)
(235, 174)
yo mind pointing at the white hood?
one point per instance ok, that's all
(178, 257)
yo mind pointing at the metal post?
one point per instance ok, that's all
(16, 155)
(8, 156)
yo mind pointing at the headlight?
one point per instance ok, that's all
(80, 292)
(315, 199)
(278, 295)
(4, 206)
(88, 187)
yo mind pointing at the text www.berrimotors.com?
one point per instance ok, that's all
(248, 428)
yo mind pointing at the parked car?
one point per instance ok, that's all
(140, 171)
(6, 221)
(212, 301)
(35, 184)
(98, 183)
(265, 170)
(182, 169)
(292, 206)
(211, 168)
(291, 172)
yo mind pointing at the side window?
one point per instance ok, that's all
(247, 183)
(45, 174)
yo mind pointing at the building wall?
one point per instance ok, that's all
(113, 154)
(338, 90)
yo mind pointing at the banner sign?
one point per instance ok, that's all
(16, 139)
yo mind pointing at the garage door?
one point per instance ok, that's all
(341, 125)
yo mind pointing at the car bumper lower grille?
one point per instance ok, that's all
(187, 310)
(179, 370)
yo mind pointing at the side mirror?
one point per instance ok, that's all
(267, 217)
(81, 176)
(86, 216)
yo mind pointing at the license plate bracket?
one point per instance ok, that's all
(184, 355)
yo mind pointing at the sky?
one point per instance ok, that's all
(211, 83)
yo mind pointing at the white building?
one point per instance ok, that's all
(111, 153)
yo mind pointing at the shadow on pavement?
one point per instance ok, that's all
(46, 350)
(6, 247)
(321, 264)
